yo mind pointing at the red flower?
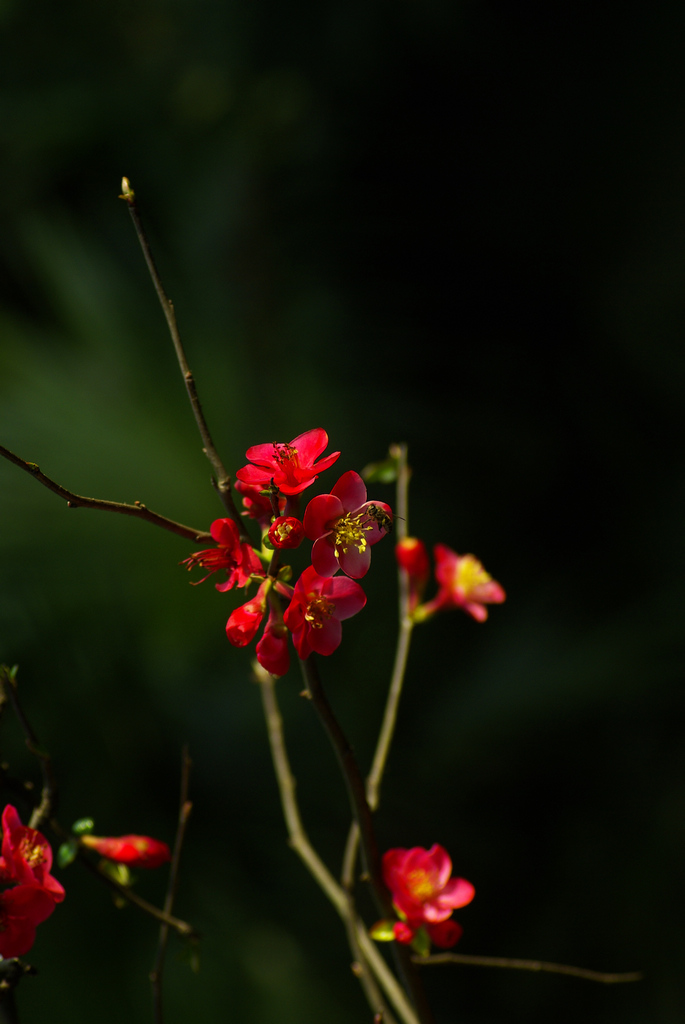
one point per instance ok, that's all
(412, 556)
(290, 466)
(239, 560)
(318, 606)
(134, 851)
(26, 856)
(344, 526)
(243, 623)
(424, 894)
(272, 648)
(22, 909)
(464, 583)
(286, 532)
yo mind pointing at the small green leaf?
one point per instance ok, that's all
(421, 944)
(384, 472)
(119, 872)
(83, 827)
(67, 853)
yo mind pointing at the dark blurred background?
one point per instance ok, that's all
(458, 224)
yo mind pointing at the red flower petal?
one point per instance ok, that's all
(351, 490)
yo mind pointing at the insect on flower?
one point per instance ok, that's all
(380, 516)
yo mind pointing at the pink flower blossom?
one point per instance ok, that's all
(344, 526)
(26, 856)
(463, 583)
(292, 466)
(239, 560)
(132, 850)
(318, 606)
(424, 895)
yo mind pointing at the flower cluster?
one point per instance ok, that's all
(31, 892)
(343, 526)
(424, 896)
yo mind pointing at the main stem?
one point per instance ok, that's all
(362, 813)
(371, 969)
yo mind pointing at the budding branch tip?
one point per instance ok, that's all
(127, 192)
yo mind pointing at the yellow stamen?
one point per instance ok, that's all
(319, 609)
(420, 884)
(349, 532)
(470, 574)
(32, 853)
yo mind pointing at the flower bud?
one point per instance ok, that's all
(134, 851)
(243, 623)
(286, 532)
(412, 556)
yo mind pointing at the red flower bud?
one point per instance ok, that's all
(272, 648)
(243, 623)
(134, 851)
(286, 532)
(412, 556)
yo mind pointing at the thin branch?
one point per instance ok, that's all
(373, 783)
(360, 968)
(387, 730)
(530, 965)
(223, 480)
(137, 510)
(185, 807)
(182, 928)
(48, 798)
(370, 963)
(353, 781)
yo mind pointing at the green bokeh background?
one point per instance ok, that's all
(457, 224)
